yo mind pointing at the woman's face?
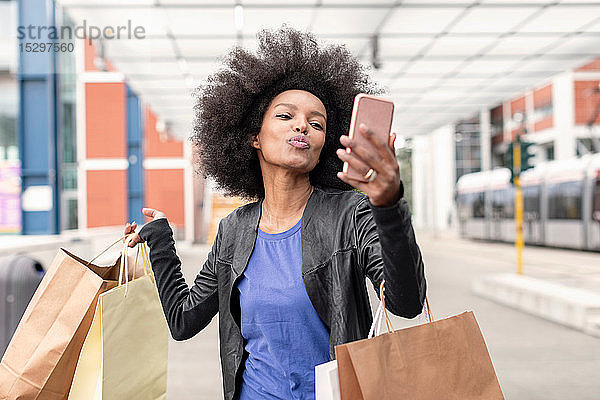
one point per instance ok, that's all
(293, 131)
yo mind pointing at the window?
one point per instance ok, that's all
(471, 205)
(542, 111)
(564, 200)
(596, 201)
(10, 165)
(531, 203)
(503, 203)
(67, 134)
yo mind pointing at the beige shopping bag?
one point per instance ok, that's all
(40, 360)
(445, 359)
(125, 353)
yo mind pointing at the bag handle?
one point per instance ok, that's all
(388, 322)
(105, 250)
(145, 258)
(382, 313)
(124, 267)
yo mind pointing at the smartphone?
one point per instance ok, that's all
(377, 114)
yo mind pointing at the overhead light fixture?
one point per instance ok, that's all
(375, 52)
(238, 17)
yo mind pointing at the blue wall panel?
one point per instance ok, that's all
(37, 119)
(135, 173)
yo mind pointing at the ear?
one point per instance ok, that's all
(255, 142)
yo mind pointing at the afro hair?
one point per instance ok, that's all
(230, 106)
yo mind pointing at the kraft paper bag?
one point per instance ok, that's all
(40, 360)
(327, 385)
(125, 353)
(446, 359)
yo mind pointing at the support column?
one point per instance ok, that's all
(37, 124)
(485, 129)
(563, 102)
(188, 194)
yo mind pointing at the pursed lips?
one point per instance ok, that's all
(299, 141)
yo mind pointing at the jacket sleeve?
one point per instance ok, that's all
(187, 310)
(388, 250)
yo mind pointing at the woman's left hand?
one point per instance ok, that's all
(384, 190)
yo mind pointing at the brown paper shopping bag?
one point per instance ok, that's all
(125, 353)
(445, 359)
(40, 360)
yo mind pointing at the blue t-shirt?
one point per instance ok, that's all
(284, 335)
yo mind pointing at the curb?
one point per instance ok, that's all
(573, 307)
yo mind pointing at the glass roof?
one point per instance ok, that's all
(441, 60)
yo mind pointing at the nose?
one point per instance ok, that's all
(301, 126)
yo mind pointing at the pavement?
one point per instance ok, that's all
(534, 357)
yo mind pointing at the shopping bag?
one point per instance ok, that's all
(445, 359)
(327, 385)
(40, 360)
(125, 353)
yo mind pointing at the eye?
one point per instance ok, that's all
(317, 125)
(285, 116)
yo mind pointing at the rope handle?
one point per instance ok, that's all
(105, 250)
(124, 267)
(388, 322)
(382, 313)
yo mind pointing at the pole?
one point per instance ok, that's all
(518, 204)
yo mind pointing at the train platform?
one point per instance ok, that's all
(560, 285)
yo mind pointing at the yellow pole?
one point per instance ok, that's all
(518, 205)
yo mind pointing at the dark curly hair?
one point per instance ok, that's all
(230, 107)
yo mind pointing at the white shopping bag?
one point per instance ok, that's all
(327, 384)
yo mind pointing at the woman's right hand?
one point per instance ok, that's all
(130, 228)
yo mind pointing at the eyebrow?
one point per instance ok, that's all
(293, 106)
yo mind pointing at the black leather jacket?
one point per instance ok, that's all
(344, 239)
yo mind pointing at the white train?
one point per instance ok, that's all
(561, 204)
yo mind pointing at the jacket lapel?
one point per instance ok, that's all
(245, 238)
(316, 230)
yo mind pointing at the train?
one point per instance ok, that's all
(561, 204)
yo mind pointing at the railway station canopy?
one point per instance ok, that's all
(440, 60)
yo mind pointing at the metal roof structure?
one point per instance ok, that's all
(441, 60)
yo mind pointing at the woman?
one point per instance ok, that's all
(286, 273)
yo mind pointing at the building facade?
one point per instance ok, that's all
(79, 149)
(561, 116)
